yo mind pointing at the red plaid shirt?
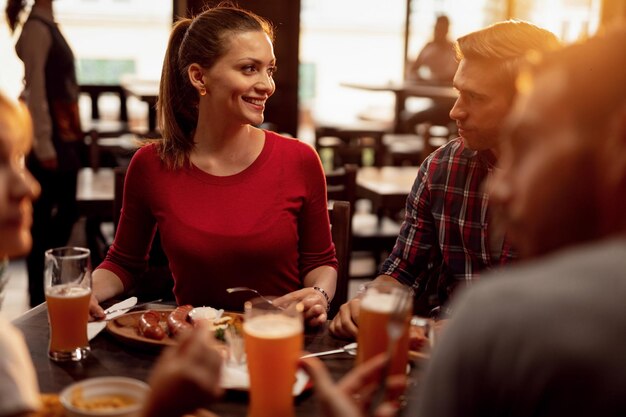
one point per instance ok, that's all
(445, 233)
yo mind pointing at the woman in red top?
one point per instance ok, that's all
(235, 205)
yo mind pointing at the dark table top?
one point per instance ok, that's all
(110, 356)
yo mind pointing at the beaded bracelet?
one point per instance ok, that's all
(325, 294)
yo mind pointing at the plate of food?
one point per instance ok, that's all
(159, 327)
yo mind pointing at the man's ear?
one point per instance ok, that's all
(196, 77)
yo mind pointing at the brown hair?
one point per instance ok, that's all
(203, 40)
(12, 11)
(14, 116)
(506, 44)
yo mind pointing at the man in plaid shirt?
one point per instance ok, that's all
(448, 236)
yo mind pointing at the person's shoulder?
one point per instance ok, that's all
(146, 156)
(585, 270)
(292, 145)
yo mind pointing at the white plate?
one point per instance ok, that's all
(236, 377)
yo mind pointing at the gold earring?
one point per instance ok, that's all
(203, 91)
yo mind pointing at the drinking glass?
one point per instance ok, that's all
(379, 301)
(274, 340)
(68, 290)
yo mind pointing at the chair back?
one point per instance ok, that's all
(340, 221)
(341, 185)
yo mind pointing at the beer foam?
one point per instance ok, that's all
(272, 326)
(67, 291)
(380, 302)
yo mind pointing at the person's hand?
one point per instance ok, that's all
(95, 311)
(345, 323)
(313, 301)
(50, 164)
(186, 377)
(351, 397)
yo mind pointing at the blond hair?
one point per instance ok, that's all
(506, 45)
(14, 117)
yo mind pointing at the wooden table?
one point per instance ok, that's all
(110, 357)
(95, 192)
(386, 187)
(146, 90)
(403, 90)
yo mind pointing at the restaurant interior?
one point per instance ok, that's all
(344, 87)
(340, 89)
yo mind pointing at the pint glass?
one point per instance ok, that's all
(274, 340)
(68, 290)
(378, 302)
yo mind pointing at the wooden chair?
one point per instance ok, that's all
(97, 128)
(341, 185)
(339, 214)
(350, 144)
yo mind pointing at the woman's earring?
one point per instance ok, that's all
(203, 91)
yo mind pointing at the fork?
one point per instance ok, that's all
(395, 327)
(238, 289)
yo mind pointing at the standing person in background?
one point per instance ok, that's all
(51, 93)
(447, 238)
(435, 64)
(235, 205)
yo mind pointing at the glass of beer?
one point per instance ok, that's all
(378, 302)
(68, 290)
(274, 341)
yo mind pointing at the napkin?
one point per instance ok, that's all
(235, 377)
(95, 327)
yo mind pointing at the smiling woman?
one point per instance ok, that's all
(235, 205)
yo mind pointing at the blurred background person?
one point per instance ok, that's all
(435, 64)
(51, 93)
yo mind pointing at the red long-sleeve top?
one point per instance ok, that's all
(265, 227)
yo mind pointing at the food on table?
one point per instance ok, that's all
(177, 320)
(207, 314)
(101, 402)
(149, 325)
(50, 406)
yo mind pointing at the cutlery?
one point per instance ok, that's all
(238, 289)
(350, 349)
(125, 307)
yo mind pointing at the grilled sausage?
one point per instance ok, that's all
(177, 320)
(149, 325)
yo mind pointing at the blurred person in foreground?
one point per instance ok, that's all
(447, 238)
(435, 64)
(51, 93)
(235, 205)
(547, 337)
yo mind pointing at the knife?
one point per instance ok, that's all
(95, 327)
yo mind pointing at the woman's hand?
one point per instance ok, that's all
(352, 395)
(95, 311)
(312, 300)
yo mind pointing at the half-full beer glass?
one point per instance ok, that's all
(274, 340)
(68, 290)
(378, 302)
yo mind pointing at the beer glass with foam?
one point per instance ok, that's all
(274, 340)
(68, 290)
(378, 302)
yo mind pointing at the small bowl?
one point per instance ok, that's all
(105, 386)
